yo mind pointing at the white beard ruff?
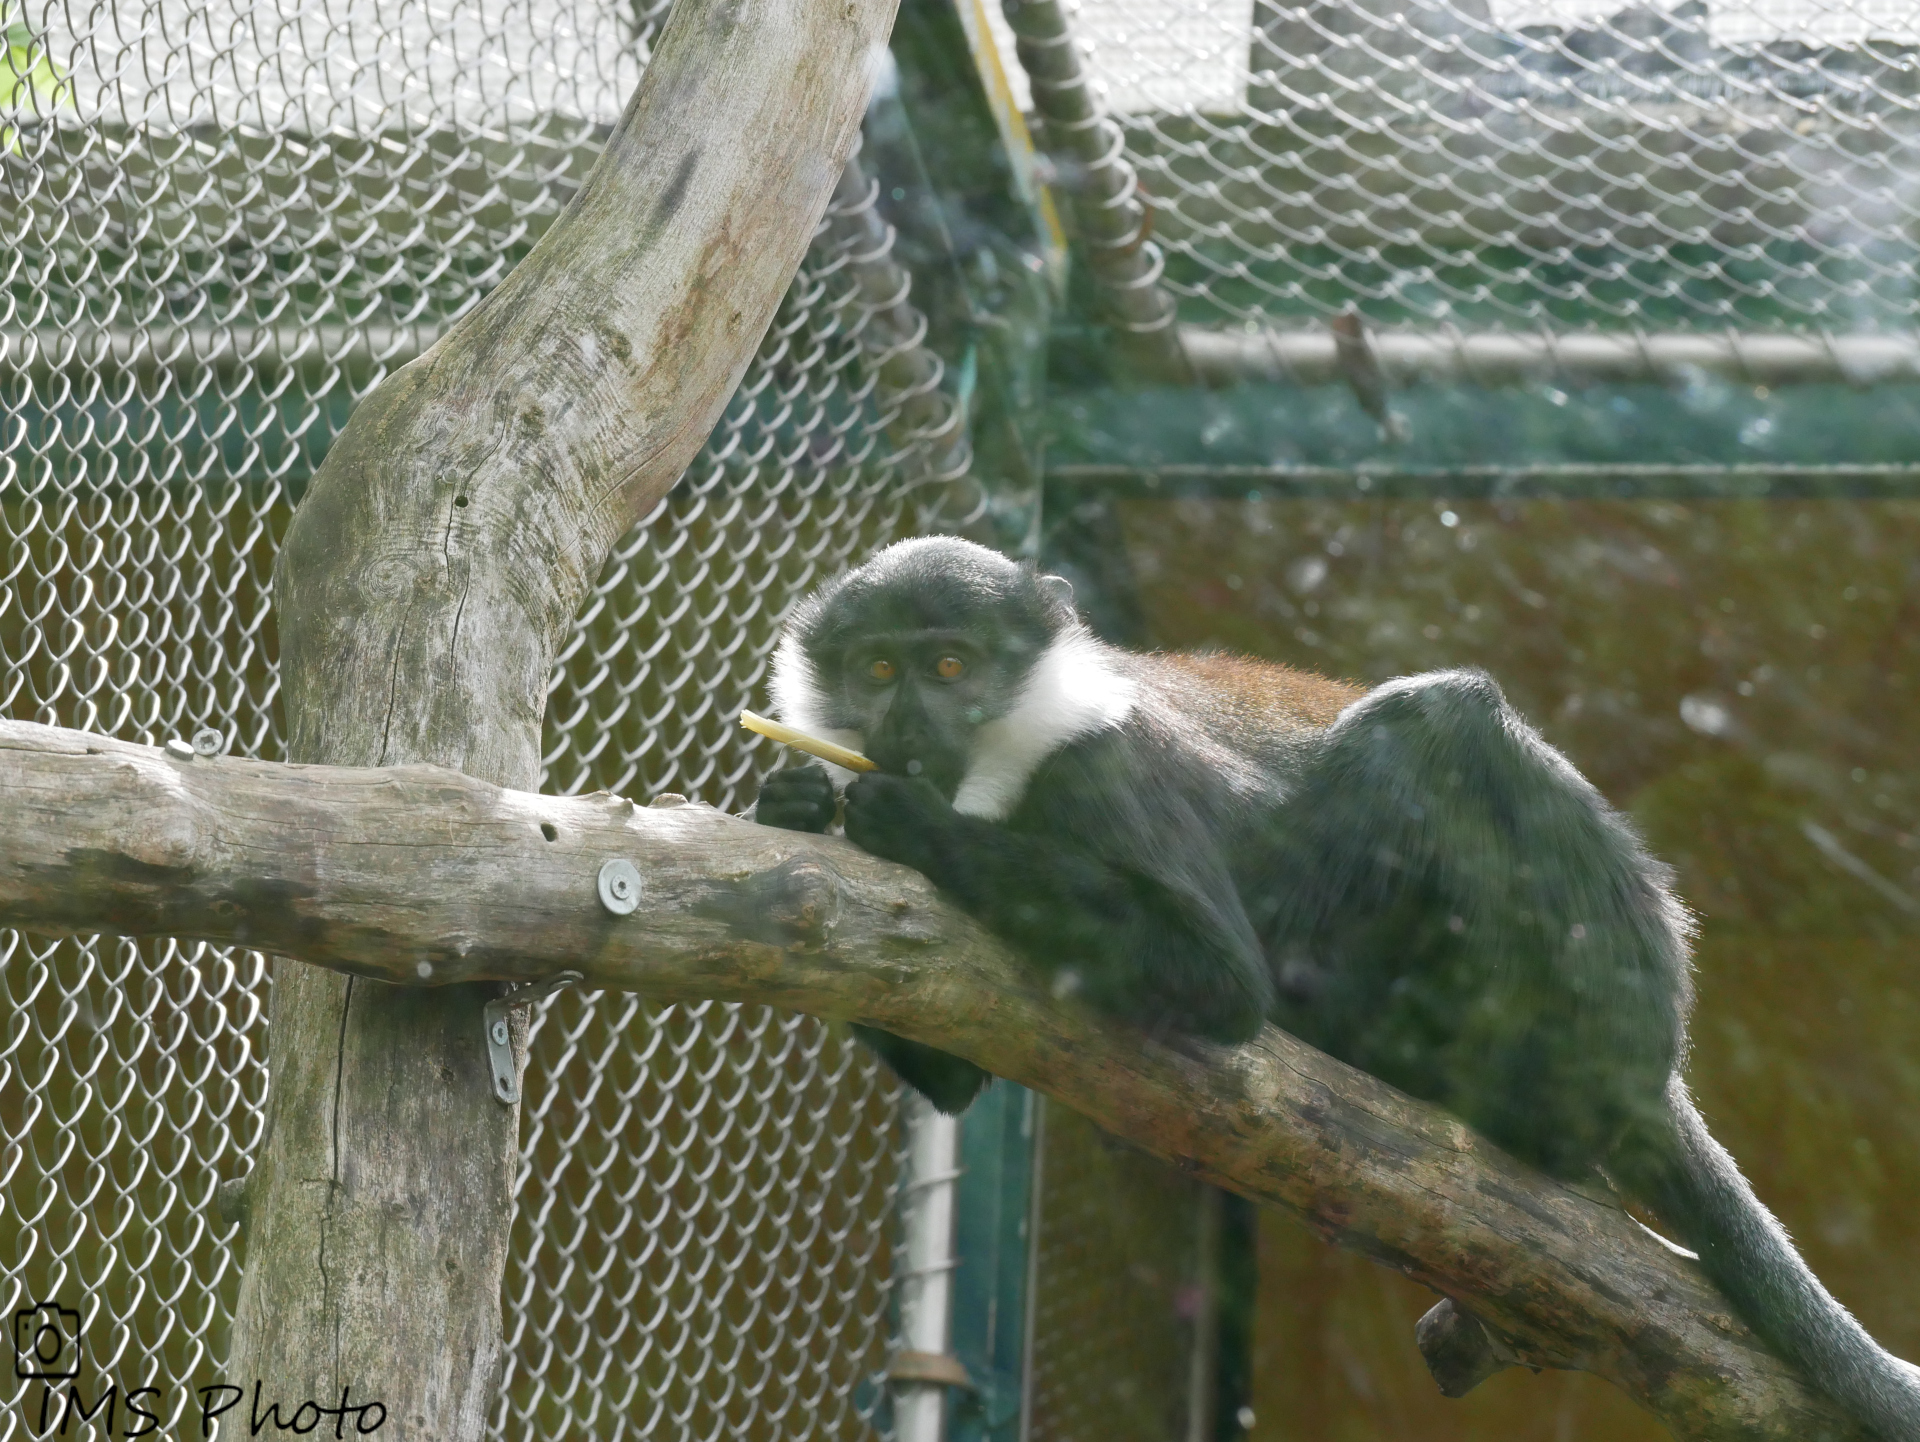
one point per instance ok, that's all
(1073, 691)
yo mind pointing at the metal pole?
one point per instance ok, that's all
(918, 413)
(926, 1305)
(1496, 358)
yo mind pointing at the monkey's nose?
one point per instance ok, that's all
(895, 754)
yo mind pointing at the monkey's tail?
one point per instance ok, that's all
(1690, 1180)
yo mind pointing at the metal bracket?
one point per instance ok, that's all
(506, 1083)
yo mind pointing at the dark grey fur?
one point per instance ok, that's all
(1423, 888)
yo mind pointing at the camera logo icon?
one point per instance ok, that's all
(46, 1343)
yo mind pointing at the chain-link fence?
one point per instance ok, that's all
(1530, 163)
(1504, 187)
(225, 222)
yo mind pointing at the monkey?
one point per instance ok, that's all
(1406, 877)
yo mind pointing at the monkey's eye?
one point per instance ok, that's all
(881, 670)
(949, 668)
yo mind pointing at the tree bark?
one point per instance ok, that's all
(425, 584)
(420, 873)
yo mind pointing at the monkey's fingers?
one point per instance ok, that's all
(800, 800)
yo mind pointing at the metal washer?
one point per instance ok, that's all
(619, 885)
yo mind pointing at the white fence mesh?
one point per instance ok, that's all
(224, 223)
(1525, 164)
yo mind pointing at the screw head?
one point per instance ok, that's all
(179, 750)
(500, 1033)
(619, 887)
(208, 742)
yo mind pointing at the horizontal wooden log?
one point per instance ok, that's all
(419, 874)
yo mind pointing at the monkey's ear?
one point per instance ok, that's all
(1058, 587)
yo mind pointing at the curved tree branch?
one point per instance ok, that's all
(425, 584)
(421, 874)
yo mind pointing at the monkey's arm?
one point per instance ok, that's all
(801, 798)
(1152, 944)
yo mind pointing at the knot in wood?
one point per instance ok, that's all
(794, 904)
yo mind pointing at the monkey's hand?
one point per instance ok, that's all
(798, 799)
(898, 819)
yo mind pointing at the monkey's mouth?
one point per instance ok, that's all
(916, 762)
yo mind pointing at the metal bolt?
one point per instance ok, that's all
(179, 750)
(619, 886)
(208, 742)
(500, 1032)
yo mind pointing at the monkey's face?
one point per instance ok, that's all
(918, 697)
(911, 655)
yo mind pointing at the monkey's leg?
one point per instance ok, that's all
(801, 799)
(1462, 915)
(1473, 923)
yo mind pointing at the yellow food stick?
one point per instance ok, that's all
(800, 741)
